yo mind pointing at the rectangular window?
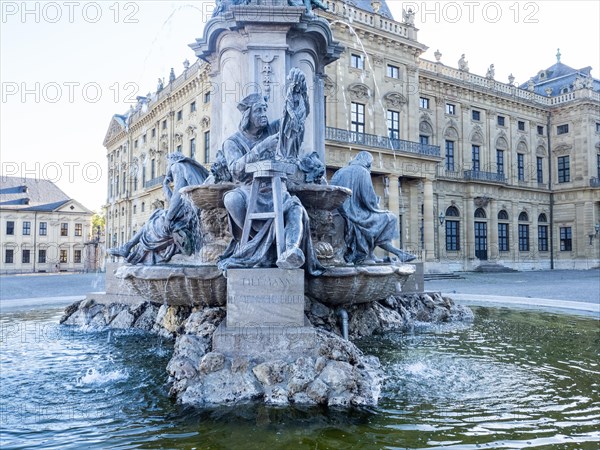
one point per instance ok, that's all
(153, 132)
(124, 183)
(564, 169)
(356, 61)
(521, 166)
(10, 227)
(117, 185)
(64, 229)
(450, 109)
(77, 256)
(424, 139)
(598, 164)
(206, 147)
(207, 97)
(501, 121)
(144, 138)
(475, 152)
(597, 127)
(164, 124)
(543, 238)
(41, 256)
(393, 123)
(63, 256)
(135, 184)
(424, 102)
(393, 71)
(503, 237)
(540, 169)
(566, 243)
(540, 130)
(9, 256)
(26, 256)
(476, 115)
(523, 238)
(521, 125)
(178, 149)
(357, 114)
(152, 169)
(500, 162)
(43, 228)
(180, 114)
(450, 155)
(135, 144)
(78, 229)
(562, 129)
(192, 107)
(452, 235)
(193, 148)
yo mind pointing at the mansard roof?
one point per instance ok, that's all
(561, 78)
(367, 5)
(30, 194)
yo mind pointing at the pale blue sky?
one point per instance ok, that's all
(103, 52)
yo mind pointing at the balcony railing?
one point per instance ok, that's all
(484, 176)
(154, 181)
(595, 182)
(372, 140)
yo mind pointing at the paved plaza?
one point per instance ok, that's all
(575, 290)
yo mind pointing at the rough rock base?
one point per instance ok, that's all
(331, 372)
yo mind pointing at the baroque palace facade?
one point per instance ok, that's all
(478, 171)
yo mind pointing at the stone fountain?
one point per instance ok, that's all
(252, 278)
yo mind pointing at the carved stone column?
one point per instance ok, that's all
(428, 220)
(251, 48)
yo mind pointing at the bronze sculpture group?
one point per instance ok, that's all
(175, 229)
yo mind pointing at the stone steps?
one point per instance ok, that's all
(493, 268)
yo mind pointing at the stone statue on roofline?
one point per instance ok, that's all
(463, 63)
(366, 226)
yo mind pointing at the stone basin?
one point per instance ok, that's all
(208, 196)
(321, 196)
(202, 285)
(348, 285)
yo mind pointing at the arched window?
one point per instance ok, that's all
(523, 232)
(480, 213)
(143, 206)
(542, 233)
(502, 215)
(452, 211)
(452, 229)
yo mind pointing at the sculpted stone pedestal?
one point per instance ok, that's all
(251, 48)
(265, 316)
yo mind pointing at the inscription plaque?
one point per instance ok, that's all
(265, 297)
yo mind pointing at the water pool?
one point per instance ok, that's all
(512, 379)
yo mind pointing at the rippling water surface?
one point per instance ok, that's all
(510, 380)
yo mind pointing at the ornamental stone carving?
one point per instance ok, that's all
(425, 127)
(477, 137)
(329, 86)
(394, 100)
(359, 91)
(482, 201)
(205, 122)
(562, 149)
(451, 133)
